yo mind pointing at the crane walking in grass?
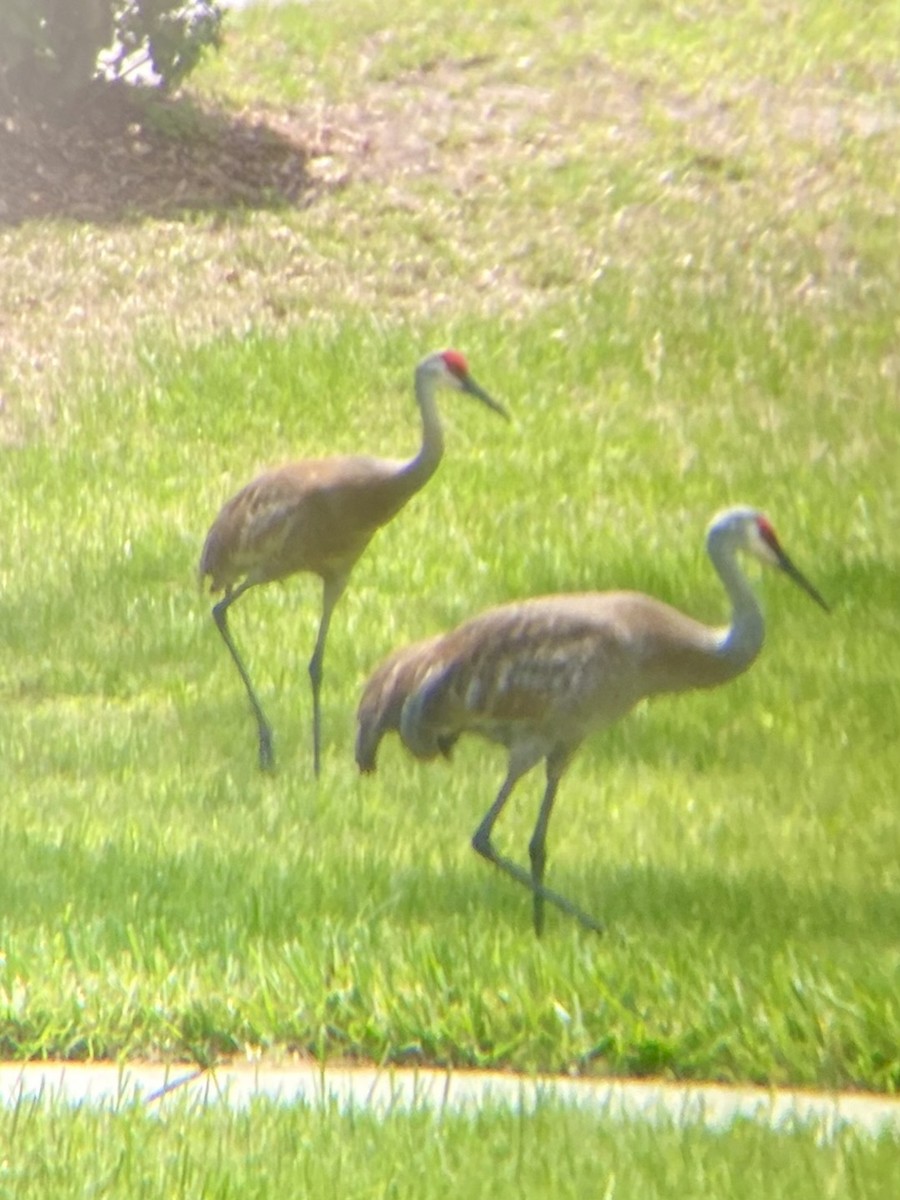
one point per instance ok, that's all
(318, 515)
(540, 675)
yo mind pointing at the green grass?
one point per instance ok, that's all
(268, 1150)
(681, 279)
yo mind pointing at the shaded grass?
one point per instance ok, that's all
(682, 309)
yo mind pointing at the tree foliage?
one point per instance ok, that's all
(51, 49)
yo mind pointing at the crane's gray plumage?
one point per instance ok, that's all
(387, 689)
(539, 675)
(319, 515)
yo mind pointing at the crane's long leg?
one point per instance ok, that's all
(332, 590)
(481, 842)
(537, 847)
(264, 729)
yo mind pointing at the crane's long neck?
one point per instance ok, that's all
(419, 469)
(741, 641)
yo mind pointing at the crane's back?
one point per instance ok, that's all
(556, 667)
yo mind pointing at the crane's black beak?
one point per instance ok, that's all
(800, 579)
(470, 386)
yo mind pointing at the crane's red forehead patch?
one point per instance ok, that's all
(456, 362)
(764, 525)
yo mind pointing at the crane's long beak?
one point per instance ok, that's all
(800, 579)
(470, 386)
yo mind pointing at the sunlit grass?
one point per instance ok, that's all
(312, 51)
(269, 1150)
(742, 845)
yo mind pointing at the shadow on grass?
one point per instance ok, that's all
(114, 885)
(658, 902)
(123, 153)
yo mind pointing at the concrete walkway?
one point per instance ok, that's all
(169, 1089)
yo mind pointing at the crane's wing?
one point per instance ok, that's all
(316, 515)
(552, 667)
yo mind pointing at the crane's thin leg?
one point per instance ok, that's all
(537, 847)
(332, 590)
(220, 615)
(481, 843)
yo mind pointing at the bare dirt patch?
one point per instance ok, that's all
(113, 155)
(122, 152)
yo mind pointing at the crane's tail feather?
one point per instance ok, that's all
(384, 696)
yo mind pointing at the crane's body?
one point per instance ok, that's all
(319, 515)
(323, 511)
(540, 675)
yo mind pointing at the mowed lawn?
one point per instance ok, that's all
(666, 241)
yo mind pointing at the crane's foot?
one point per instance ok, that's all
(590, 923)
(483, 846)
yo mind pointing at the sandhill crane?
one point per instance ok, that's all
(318, 515)
(540, 675)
